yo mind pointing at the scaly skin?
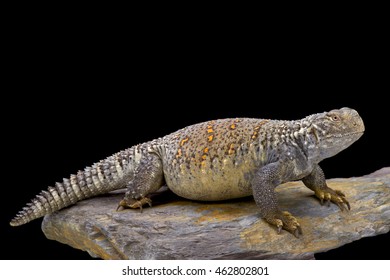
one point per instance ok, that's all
(218, 160)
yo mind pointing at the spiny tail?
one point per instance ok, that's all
(107, 175)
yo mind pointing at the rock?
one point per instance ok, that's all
(175, 228)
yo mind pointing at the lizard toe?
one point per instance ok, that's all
(329, 195)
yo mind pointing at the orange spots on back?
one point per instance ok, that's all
(204, 157)
(233, 126)
(257, 128)
(182, 142)
(178, 155)
(210, 128)
(210, 131)
(263, 122)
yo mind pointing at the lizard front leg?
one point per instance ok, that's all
(263, 186)
(317, 183)
(148, 178)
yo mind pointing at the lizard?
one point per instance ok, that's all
(217, 160)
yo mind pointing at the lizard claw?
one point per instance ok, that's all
(284, 220)
(299, 229)
(321, 196)
(279, 225)
(328, 198)
(296, 233)
(342, 200)
(341, 206)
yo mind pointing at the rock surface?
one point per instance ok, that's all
(175, 228)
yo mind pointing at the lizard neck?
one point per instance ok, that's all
(295, 139)
(308, 139)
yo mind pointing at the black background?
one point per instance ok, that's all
(78, 95)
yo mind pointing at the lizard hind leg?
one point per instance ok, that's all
(148, 178)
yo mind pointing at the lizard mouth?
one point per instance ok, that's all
(360, 133)
(353, 133)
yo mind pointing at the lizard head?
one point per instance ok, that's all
(336, 130)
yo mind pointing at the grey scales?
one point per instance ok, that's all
(217, 160)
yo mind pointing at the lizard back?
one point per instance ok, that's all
(213, 160)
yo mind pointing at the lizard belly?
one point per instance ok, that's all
(207, 184)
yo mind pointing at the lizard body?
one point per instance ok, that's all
(217, 160)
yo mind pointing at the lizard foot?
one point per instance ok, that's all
(283, 219)
(134, 203)
(337, 197)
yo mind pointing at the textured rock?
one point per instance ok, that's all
(176, 228)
